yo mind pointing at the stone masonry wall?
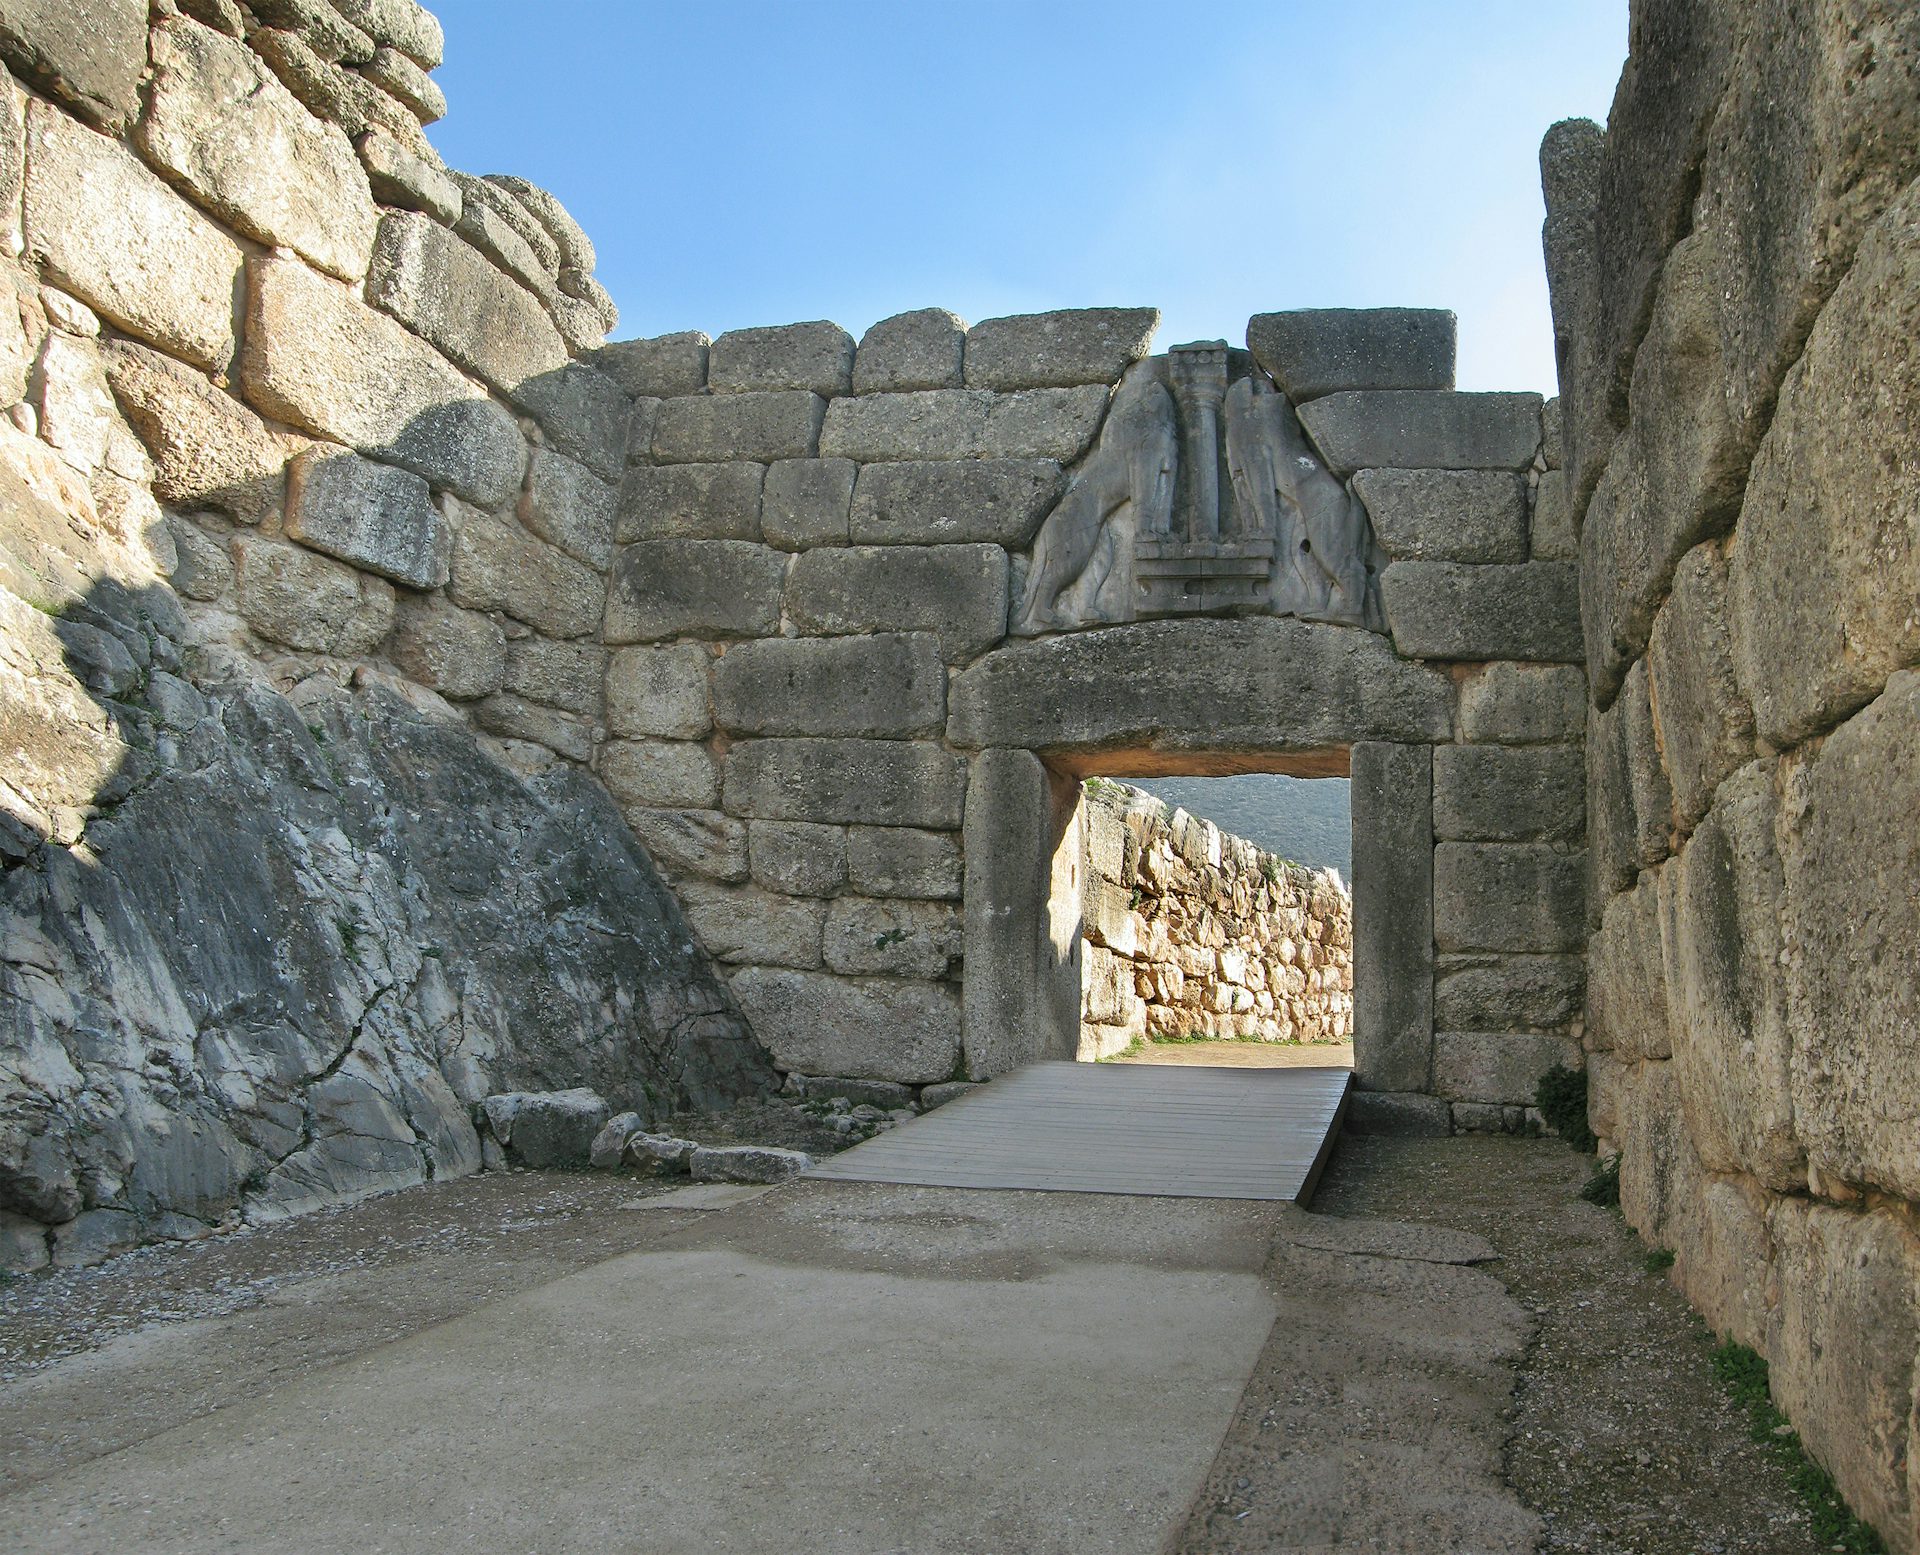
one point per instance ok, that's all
(1735, 264)
(305, 505)
(1193, 932)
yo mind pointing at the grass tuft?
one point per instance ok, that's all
(1562, 1100)
(1603, 1187)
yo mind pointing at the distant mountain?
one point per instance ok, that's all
(1304, 819)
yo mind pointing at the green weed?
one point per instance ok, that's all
(1562, 1100)
(1603, 1187)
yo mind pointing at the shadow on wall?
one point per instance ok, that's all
(272, 929)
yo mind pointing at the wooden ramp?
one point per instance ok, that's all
(1166, 1130)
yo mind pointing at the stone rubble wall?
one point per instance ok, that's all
(306, 500)
(1735, 269)
(1193, 932)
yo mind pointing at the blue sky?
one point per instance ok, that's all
(765, 161)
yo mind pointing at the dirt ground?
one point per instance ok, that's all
(1622, 1439)
(1240, 1054)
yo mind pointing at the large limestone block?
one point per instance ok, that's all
(866, 1028)
(515, 718)
(1054, 424)
(294, 597)
(89, 57)
(1825, 564)
(1726, 999)
(660, 774)
(1254, 684)
(1507, 993)
(585, 414)
(957, 592)
(1842, 1341)
(369, 514)
(1629, 802)
(917, 350)
(1552, 534)
(717, 428)
(1570, 157)
(1312, 352)
(816, 356)
(1850, 853)
(798, 857)
(400, 77)
(1704, 722)
(1627, 1001)
(761, 928)
(1492, 793)
(1058, 350)
(1447, 515)
(447, 291)
(497, 565)
(462, 654)
(865, 782)
(662, 367)
(567, 505)
(886, 685)
(241, 144)
(1391, 795)
(949, 501)
(805, 502)
(564, 675)
(1660, 1176)
(692, 842)
(112, 233)
(319, 359)
(1451, 610)
(1493, 1066)
(659, 691)
(903, 861)
(691, 502)
(1424, 429)
(208, 450)
(711, 588)
(401, 24)
(1516, 896)
(1724, 1268)
(897, 938)
(1523, 704)
(575, 248)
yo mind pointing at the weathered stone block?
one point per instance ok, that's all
(317, 358)
(1823, 611)
(869, 1028)
(872, 782)
(659, 691)
(958, 592)
(291, 596)
(459, 653)
(574, 247)
(91, 60)
(112, 233)
(1723, 1267)
(1391, 795)
(692, 842)
(240, 143)
(1504, 1067)
(1406, 1114)
(816, 356)
(584, 413)
(1523, 704)
(691, 502)
(709, 429)
(1058, 350)
(1200, 685)
(332, 92)
(1554, 536)
(515, 718)
(1705, 724)
(661, 774)
(900, 938)
(397, 176)
(1493, 793)
(1507, 993)
(799, 857)
(1570, 156)
(400, 77)
(1447, 515)
(1851, 854)
(547, 1128)
(663, 367)
(1423, 429)
(1450, 610)
(567, 505)
(917, 350)
(1627, 1002)
(713, 588)
(902, 861)
(497, 565)
(758, 927)
(953, 501)
(564, 675)
(447, 290)
(885, 685)
(1311, 352)
(369, 514)
(1507, 896)
(805, 502)
(1054, 424)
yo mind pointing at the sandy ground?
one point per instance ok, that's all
(1245, 1055)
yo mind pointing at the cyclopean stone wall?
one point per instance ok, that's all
(304, 511)
(1735, 264)
(1192, 932)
